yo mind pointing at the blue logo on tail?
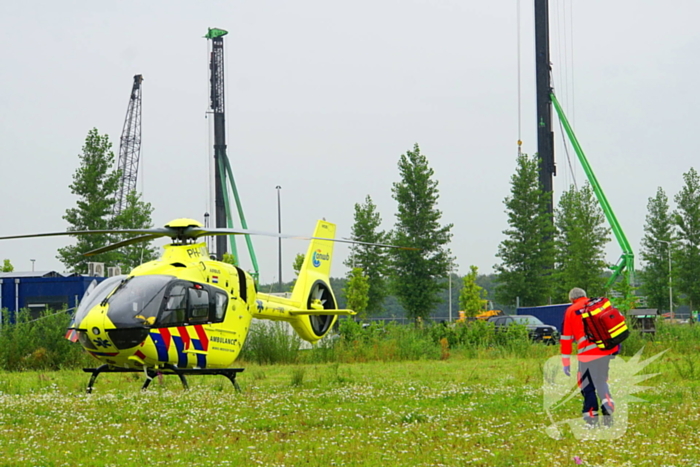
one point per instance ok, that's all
(318, 256)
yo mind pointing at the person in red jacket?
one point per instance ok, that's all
(593, 363)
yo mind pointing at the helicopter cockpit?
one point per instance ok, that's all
(139, 303)
(155, 301)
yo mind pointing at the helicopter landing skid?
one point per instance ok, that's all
(230, 373)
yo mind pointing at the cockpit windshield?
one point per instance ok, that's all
(94, 295)
(138, 300)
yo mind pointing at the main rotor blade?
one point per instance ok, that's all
(131, 241)
(199, 232)
(159, 231)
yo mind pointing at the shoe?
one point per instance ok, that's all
(591, 422)
(608, 421)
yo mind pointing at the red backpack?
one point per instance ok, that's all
(603, 323)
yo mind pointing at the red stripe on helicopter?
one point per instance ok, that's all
(185, 337)
(201, 333)
(165, 333)
(140, 355)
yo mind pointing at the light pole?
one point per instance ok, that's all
(279, 240)
(670, 279)
(32, 260)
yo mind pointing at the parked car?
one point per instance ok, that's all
(538, 331)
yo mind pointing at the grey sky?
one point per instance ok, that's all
(324, 96)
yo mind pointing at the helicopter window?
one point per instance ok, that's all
(220, 302)
(94, 295)
(199, 305)
(137, 301)
(175, 306)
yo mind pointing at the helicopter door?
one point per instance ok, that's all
(192, 303)
(175, 311)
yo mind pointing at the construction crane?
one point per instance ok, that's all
(545, 143)
(129, 147)
(223, 175)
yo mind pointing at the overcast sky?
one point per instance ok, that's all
(322, 99)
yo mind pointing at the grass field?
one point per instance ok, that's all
(482, 411)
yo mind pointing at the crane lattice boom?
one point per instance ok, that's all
(130, 147)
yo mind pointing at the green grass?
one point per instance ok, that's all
(381, 395)
(483, 410)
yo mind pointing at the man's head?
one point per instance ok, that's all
(575, 293)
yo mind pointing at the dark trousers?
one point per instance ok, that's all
(593, 382)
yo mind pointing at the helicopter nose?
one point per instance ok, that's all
(92, 334)
(104, 336)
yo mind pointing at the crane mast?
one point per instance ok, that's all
(216, 68)
(223, 174)
(545, 136)
(129, 147)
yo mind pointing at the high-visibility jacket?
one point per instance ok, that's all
(573, 331)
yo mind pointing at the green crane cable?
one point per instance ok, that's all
(627, 258)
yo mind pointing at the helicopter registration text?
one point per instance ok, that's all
(198, 252)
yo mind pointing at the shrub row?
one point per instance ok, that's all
(39, 344)
(27, 344)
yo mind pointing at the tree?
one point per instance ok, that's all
(228, 258)
(527, 253)
(581, 237)
(472, 297)
(298, 263)
(372, 260)
(135, 215)
(627, 298)
(657, 240)
(687, 220)
(95, 184)
(417, 274)
(357, 292)
(7, 266)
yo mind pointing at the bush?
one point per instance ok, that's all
(271, 342)
(681, 338)
(39, 344)
(378, 341)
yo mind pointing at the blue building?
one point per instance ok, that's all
(42, 290)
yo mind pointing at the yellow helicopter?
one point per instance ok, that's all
(185, 313)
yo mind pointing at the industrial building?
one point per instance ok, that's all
(42, 290)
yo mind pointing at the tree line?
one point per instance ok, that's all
(539, 259)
